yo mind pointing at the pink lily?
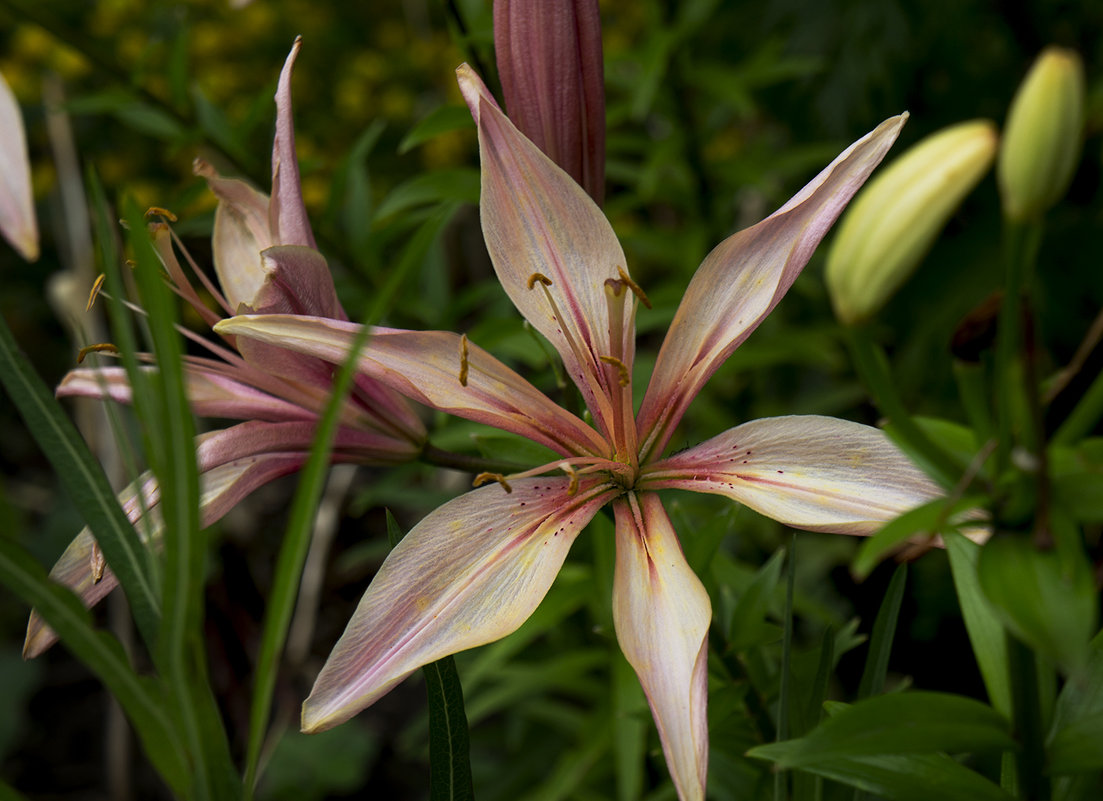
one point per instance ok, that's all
(473, 570)
(266, 262)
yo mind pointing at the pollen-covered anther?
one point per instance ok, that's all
(131, 263)
(463, 360)
(572, 474)
(157, 211)
(99, 347)
(482, 478)
(97, 285)
(96, 563)
(623, 377)
(636, 289)
(538, 278)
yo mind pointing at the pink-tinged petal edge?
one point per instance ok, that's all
(662, 613)
(468, 574)
(426, 366)
(17, 218)
(222, 487)
(536, 219)
(286, 211)
(743, 279)
(806, 471)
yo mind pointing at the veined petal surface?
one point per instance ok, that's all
(81, 567)
(662, 612)
(536, 219)
(806, 471)
(17, 218)
(743, 279)
(468, 574)
(426, 366)
(286, 211)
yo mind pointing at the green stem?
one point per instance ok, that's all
(1084, 416)
(468, 463)
(1027, 713)
(873, 368)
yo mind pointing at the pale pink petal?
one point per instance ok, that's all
(17, 218)
(81, 567)
(427, 367)
(240, 234)
(810, 472)
(468, 574)
(743, 279)
(662, 613)
(536, 219)
(296, 281)
(286, 212)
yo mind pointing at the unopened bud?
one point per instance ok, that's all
(550, 62)
(891, 224)
(1042, 137)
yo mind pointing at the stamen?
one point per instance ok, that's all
(97, 285)
(543, 279)
(97, 563)
(100, 347)
(572, 487)
(482, 478)
(157, 211)
(636, 289)
(131, 263)
(463, 360)
(624, 378)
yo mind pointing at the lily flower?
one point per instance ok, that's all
(473, 570)
(266, 262)
(17, 220)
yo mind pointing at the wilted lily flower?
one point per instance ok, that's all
(476, 568)
(17, 220)
(553, 79)
(266, 263)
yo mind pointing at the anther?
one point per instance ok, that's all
(131, 263)
(624, 378)
(572, 474)
(97, 285)
(157, 211)
(96, 563)
(463, 360)
(482, 478)
(99, 347)
(543, 279)
(636, 289)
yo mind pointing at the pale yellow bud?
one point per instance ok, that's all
(895, 218)
(1042, 137)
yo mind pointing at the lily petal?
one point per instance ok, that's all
(468, 574)
(81, 567)
(286, 211)
(662, 613)
(743, 279)
(806, 471)
(427, 367)
(537, 220)
(17, 219)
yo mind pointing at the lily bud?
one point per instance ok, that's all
(895, 218)
(1042, 136)
(550, 63)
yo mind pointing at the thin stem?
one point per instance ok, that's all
(873, 368)
(433, 455)
(1027, 713)
(1083, 417)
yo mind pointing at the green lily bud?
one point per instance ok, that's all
(895, 218)
(1042, 137)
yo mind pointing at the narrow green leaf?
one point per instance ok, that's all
(103, 655)
(459, 184)
(439, 121)
(884, 630)
(784, 703)
(84, 482)
(449, 740)
(1045, 598)
(911, 778)
(898, 723)
(930, 518)
(630, 725)
(1077, 747)
(749, 626)
(1075, 737)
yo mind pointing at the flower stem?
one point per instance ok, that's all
(872, 366)
(433, 455)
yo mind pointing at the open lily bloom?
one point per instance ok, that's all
(266, 262)
(476, 568)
